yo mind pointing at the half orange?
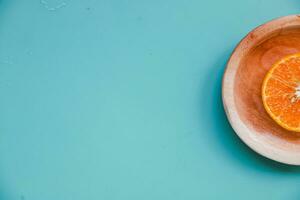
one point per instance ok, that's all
(281, 92)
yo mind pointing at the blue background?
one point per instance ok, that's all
(121, 99)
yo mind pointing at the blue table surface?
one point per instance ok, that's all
(121, 99)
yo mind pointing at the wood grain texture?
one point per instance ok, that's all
(242, 83)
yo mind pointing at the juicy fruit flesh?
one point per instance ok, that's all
(281, 92)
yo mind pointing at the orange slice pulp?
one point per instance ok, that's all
(281, 92)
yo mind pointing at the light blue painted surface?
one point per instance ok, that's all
(120, 99)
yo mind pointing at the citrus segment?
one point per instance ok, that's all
(281, 92)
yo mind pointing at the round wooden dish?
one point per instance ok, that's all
(242, 83)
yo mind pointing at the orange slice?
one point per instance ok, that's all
(281, 92)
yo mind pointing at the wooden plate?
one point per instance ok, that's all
(241, 91)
